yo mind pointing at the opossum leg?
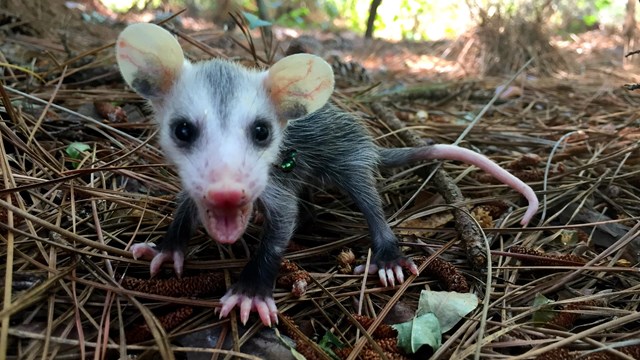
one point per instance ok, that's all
(254, 289)
(172, 247)
(388, 260)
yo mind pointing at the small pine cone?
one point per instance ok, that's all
(141, 332)
(571, 312)
(299, 288)
(601, 355)
(175, 318)
(523, 162)
(389, 344)
(190, 286)
(564, 320)
(288, 266)
(286, 326)
(293, 277)
(482, 216)
(346, 257)
(524, 175)
(345, 260)
(382, 332)
(525, 251)
(633, 351)
(348, 73)
(365, 321)
(543, 259)
(347, 269)
(370, 354)
(304, 45)
(296, 279)
(529, 175)
(496, 208)
(556, 354)
(448, 275)
(307, 351)
(344, 352)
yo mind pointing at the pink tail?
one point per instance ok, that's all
(396, 157)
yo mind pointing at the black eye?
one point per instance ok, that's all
(261, 132)
(184, 131)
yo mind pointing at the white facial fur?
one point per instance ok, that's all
(223, 111)
(213, 115)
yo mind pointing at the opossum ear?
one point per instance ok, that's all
(150, 59)
(299, 84)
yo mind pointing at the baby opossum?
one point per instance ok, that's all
(240, 137)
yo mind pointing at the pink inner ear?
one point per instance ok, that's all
(150, 59)
(299, 84)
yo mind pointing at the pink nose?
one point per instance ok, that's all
(227, 198)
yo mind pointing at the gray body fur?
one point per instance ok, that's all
(333, 148)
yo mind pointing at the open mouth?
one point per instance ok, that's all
(227, 224)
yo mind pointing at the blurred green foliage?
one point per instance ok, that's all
(410, 19)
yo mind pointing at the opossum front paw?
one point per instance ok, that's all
(148, 252)
(389, 271)
(264, 306)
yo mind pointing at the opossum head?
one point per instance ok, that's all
(219, 123)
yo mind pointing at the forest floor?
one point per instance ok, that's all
(83, 180)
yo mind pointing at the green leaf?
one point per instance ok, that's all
(448, 307)
(75, 149)
(297, 355)
(590, 20)
(294, 352)
(255, 21)
(330, 339)
(422, 330)
(544, 311)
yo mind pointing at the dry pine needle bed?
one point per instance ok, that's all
(83, 179)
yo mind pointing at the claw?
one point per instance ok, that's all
(245, 309)
(399, 275)
(273, 310)
(263, 311)
(391, 273)
(383, 277)
(414, 269)
(390, 277)
(178, 262)
(148, 252)
(265, 307)
(229, 301)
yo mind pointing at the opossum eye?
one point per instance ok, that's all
(184, 131)
(261, 132)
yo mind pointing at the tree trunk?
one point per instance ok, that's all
(629, 28)
(373, 11)
(263, 13)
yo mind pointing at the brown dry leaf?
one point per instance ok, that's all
(413, 226)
